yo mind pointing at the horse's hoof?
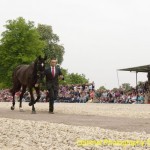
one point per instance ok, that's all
(33, 112)
(12, 108)
(30, 104)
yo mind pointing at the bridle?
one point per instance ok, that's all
(40, 73)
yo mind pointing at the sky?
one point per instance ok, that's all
(99, 36)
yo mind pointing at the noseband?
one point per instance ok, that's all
(39, 74)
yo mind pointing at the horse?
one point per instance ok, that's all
(28, 76)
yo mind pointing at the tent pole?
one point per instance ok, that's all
(118, 79)
(136, 80)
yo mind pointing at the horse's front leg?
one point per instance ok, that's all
(32, 101)
(37, 89)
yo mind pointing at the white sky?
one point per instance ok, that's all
(99, 36)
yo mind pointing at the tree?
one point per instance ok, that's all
(20, 44)
(102, 88)
(140, 83)
(115, 89)
(52, 48)
(126, 87)
(66, 79)
(73, 78)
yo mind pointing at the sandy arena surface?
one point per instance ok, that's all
(105, 124)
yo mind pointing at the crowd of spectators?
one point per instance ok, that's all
(132, 96)
(79, 93)
(87, 93)
(83, 93)
(5, 96)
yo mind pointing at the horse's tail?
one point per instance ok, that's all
(16, 84)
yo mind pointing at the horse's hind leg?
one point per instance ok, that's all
(21, 96)
(15, 89)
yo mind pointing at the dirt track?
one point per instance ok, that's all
(108, 122)
(71, 123)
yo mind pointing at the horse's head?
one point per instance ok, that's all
(40, 66)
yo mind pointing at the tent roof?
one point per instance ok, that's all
(145, 68)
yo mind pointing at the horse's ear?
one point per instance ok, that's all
(39, 57)
(45, 57)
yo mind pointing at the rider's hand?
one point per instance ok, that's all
(36, 85)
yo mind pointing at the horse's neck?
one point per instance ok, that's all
(34, 67)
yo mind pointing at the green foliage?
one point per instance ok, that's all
(73, 78)
(76, 78)
(20, 44)
(115, 89)
(126, 87)
(102, 88)
(140, 83)
(52, 48)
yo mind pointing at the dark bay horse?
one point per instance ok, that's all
(28, 76)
